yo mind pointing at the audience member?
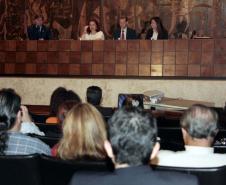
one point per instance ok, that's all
(38, 31)
(157, 31)
(94, 97)
(64, 108)
(59, 96)
(84, 134)
(124, 32)
(12, 142)
(92, 31)
(199, 127)
(133, 137)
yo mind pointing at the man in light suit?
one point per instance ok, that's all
(124, 32)
(133, 136)
(38, 31)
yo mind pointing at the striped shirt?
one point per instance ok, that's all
(21, 144)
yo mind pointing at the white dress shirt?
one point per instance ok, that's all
(125, 33)
(193, 156)
(30, 128)
(154, 36)
(97, 36)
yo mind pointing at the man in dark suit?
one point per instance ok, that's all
(124, 33)
(133, 136)
(38, 31)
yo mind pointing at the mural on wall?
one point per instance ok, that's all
(67, 18)
(2, 19)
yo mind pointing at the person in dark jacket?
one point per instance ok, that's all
(157, 31)
(38, 31)
(133, 137)
(124, 32)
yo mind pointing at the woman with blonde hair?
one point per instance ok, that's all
(84, 134)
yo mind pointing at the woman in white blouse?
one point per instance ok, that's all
(92, 31)
(157, 31)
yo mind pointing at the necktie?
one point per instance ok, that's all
(123, 35)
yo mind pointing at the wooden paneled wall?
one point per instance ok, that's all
(139, 58)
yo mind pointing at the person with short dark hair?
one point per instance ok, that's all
(199, 127)
(94, 95)
(38, 31)
(12, 113)
(92, 31)
(157, 31)
(133, 137)
(124, 32)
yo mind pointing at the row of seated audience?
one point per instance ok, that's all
(62, 100)
(129, 139)
(92, 31)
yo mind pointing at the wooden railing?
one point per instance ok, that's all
(205, 58)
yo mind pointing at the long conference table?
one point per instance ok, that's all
(199, 58)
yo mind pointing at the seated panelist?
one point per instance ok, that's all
(38, 31)
(157, 31)
(124, 32)
(92, 31)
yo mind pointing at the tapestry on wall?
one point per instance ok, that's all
(66, 18)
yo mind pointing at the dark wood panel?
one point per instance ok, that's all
(170, 58)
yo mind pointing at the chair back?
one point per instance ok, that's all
(19, 170)
(38, 118)
(206, 176)
(55, 171)
(50, 130)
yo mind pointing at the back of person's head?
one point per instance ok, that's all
(59, 96)
(72, 96)
(200, 122)
(84, 133)
(64, 108)
(94, 95)
(10, 104)
(56, 99)
(133, 134)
